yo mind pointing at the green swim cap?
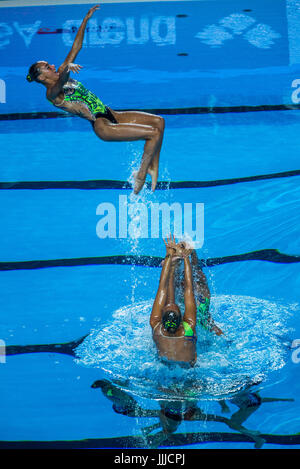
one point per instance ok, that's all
(171, 321)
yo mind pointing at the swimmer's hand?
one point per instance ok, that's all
(75, 68)
(183, 249)
(171, 245)
(91, 12)
(177, 250)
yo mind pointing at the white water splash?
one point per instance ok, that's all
(252, 347)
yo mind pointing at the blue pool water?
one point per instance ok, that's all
(251, 250)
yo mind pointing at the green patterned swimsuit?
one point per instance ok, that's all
(203, 317)
(86, 103)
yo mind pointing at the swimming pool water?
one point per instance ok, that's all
(251, 251)
(61, 304)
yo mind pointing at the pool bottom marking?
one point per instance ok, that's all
(125, 185)
(166, 111)
(178, 439)
(269, 255)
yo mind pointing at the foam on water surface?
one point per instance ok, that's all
(253, 346)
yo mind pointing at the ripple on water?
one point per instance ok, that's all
(250, 350)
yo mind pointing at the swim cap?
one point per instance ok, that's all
(33, 73)
(171, 318)
(171, 307)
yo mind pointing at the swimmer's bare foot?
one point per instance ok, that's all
(138, 183)
(153, 171)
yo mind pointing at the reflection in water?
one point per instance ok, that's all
(227, 368)
(173, 412)
(176, 405)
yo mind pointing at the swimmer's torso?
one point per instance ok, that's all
(78, 100)
(179, 348)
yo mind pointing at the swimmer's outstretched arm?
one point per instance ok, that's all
(77, 44)
(171, 292)
(189, 298)
(162, 292)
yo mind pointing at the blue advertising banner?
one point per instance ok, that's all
(202, 52)
(214, 34)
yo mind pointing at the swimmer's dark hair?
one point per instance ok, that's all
(33, 73)
(171, 320)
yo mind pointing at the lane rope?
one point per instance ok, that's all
(125, 185)
(269, 255)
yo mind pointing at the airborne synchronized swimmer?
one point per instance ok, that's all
(109, 125)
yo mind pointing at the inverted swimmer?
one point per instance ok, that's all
(175, 336)
(111, 126)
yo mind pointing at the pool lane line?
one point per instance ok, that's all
(105, 184)
(176, 439)
(165, 111)
(269, 255)
(67, 348)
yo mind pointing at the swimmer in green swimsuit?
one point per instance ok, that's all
(174, 336)
(200, 288)
(112, 126)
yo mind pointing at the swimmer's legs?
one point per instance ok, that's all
(154, 165)
(255, 435)
(224, 407)
(146, 430)
(154, 441)
(129, 132)
(157, 122)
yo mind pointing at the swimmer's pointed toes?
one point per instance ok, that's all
(138, 184)
(153, 186)
(154, 176)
